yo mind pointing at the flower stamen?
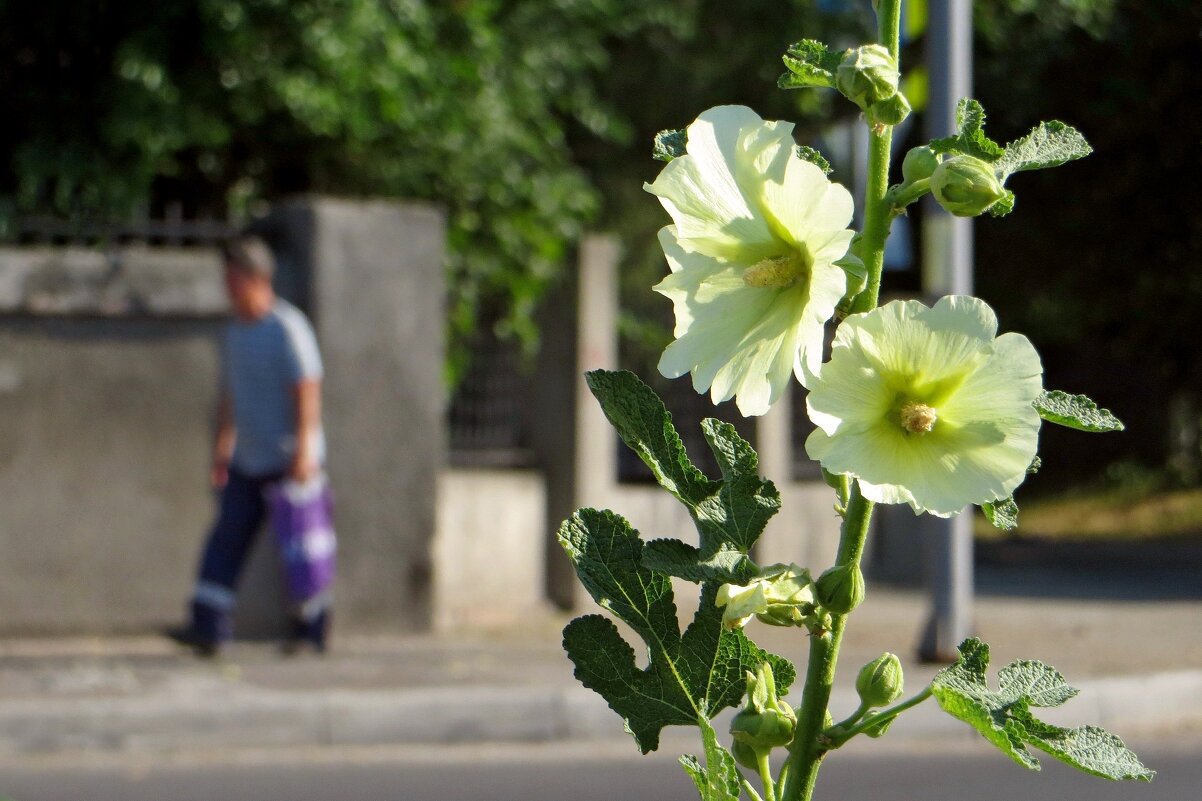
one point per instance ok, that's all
(918, 418)
(778, 272)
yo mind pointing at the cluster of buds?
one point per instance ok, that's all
(963, 185)
(868, 76)
(766, 722)
(782, 595)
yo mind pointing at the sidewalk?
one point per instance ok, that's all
(1138, 663)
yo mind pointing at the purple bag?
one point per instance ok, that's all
(302, 516)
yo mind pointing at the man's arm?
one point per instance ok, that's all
(223, 442)
(308, 420)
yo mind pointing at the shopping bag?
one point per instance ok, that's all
(303, 520)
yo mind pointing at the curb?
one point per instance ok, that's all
(205, 714)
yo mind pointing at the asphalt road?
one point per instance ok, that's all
(588, 772)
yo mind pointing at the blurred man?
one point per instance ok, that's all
(268, 430)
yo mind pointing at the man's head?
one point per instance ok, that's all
(249, 267)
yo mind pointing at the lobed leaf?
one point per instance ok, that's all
(1003, 716)
(689, 677)
(1002, 514)
(1075, 411)
(730, 514)
(807, 153)
(810, 63)
(670, 144)
(1049, 144)
(970, 138)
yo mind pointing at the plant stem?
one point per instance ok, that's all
(877, 209)
(881, 717)
(806, 751)
(766, 776)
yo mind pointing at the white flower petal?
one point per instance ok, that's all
(980, 389)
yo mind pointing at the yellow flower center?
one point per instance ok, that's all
(778, 272)
(918, 418)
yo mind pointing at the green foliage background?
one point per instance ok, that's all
(530, 121)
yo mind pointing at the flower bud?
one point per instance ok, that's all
(966, 186)
(765, 722)
(867, 75)
(782, 595)
(890, 111)
(880, 681)
(841, 588)
(919, 163)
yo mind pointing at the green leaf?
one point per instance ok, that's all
(1049, 144)
(970, 138)
(689, 678)
(1003, 716)
(810, 63)
(1075, 411)
(807, 153)
(1004, 206)
(719, 779)
(669, 144)
(1001, 514)
(730, 514)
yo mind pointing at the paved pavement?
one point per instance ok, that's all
(1130, 639)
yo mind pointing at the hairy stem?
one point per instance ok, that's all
(879, 718)
(765, 770)
(878, 211)
(807, 750)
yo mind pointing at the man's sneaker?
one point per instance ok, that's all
(188, 637)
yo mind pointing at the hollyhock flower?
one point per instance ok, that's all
(782, 595)
(925, 406)
(756, 235)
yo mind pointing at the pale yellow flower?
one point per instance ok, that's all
(927, 406)
(752, 249)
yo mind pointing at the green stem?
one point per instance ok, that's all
(747, 788)
(806, 750)
(878, 211)
(765, 769)
(907, 194)
(852, 719)
(880, 717)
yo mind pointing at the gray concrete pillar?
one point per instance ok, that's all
(370, 276)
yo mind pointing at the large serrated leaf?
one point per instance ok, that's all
(810, 63)
(1049, 144)
(689, 677)
(1088, 748)
(1003, 716)
(730, 514)
(1075, 411)
(970, 138)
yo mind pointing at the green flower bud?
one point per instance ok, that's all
(841, 588)
(880, 681)
(782, 595)
(867, 75)
(919, 163)
(966, 186)
(765, 722)
(890, 111)
(745, 755)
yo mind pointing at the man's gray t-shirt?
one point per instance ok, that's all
(264, 360)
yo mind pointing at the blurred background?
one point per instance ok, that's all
(528, 124)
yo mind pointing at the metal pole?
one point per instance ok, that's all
(947, 269)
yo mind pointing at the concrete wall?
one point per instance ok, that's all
(108, 369)
(489, 556)
(104, 429)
